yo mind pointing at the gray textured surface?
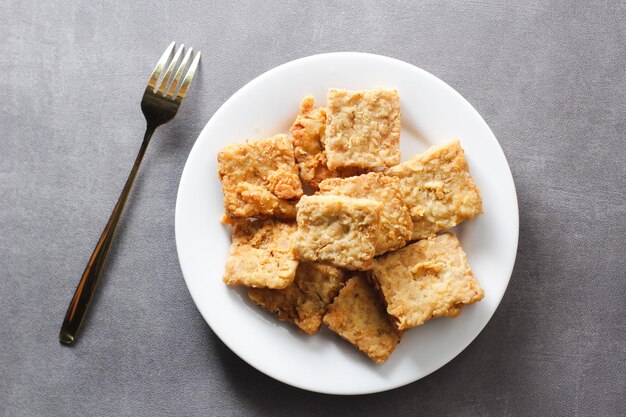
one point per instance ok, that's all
(549, 78)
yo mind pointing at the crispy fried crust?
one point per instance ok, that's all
(260, 178)
(362, 128)
(307, 132)
(429, 278)
(438, 189)
(305, 301)
(261, 254)
(358, 316)
(395, 220)
(338, 230)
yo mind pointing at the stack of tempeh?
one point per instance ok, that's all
(347, 260)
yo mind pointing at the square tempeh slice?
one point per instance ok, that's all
(261, 254)
(362, 128)
(438, 189)
(338, 230)
(260, 178)
(429, 278)
(395, 220)
(358, 315)
(303, 302)
(307, 132)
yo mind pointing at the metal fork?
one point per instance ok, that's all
(159, 106)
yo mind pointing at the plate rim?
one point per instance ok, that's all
(186, 172)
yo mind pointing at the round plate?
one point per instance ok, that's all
(432, 113)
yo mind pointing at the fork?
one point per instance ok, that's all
(159, 106)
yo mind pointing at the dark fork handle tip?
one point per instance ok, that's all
(66, 338)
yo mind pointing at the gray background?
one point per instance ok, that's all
(548, 77)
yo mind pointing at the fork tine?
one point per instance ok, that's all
(190, 73)
(179, 74)
(159, 67)
(170, 69)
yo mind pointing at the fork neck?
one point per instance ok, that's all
(150, 128)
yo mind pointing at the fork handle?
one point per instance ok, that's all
(77, 309)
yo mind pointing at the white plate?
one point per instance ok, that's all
(432, 113)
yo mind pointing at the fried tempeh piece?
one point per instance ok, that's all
(438, 189)
(305, 301)
(260, 178)
(261, 254)
(338, 230)
(395, 220)
(429, 278)
(362, 128)
(358, 315)
(307, 132)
